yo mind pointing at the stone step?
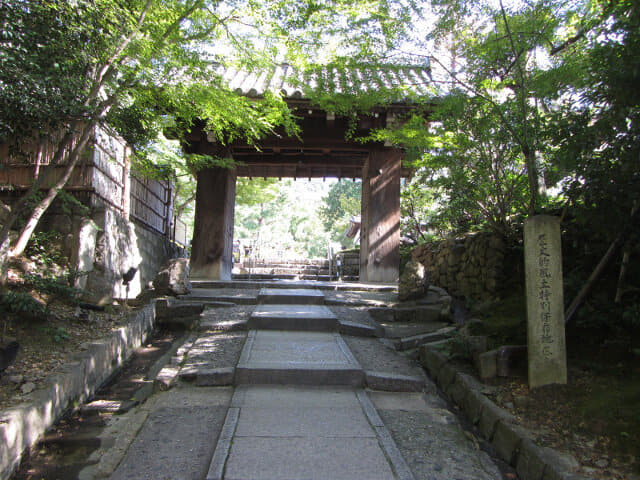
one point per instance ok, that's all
(423, 313)
(286, 270)
(414, 341)
(320, 285)
(290, 296)
(293, 317)
(208, 296)
(281, 276)
(297, 358)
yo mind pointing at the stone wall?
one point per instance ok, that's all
(120, 245)
(107, 245)
(470, 266)
(350, 264)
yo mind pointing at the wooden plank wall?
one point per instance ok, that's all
(101, 176)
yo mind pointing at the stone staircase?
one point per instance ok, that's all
(299, 409)
(296, 388)
(285, 270)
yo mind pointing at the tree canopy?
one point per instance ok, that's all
(66, 67)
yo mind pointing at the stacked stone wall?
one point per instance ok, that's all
(471, 266)
(350, 263)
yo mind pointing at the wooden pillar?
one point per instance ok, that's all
(380, 217)
(212, 244)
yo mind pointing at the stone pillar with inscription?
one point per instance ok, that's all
(545, 304)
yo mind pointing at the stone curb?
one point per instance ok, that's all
(512, 442)
(393, 382)
(395, 458)
(22, 425)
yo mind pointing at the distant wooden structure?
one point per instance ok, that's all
(102, 179)
(323, 151)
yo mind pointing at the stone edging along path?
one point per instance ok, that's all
(22, 425)
(513, 443)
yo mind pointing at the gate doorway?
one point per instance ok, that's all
(324, 150)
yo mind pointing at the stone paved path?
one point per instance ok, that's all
(295, 402)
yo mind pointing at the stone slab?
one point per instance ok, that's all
(398, 330)
(347, 327)
(414, 341)
(290, 296)
(394, 382)
(293, 396)
(210, 296)
(408, 401)
(305, 421)
(256, 458)
(213, 377)
(174, 443)
(304, 358)
(293, 317)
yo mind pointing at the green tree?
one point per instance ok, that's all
(66, 67)
(339, 205)
(503, 72)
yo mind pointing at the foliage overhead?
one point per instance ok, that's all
(144, 65)
(340, 204)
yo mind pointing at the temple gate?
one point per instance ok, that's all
(322, 151)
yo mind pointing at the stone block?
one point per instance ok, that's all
(469, 382)
(431, 360)
(472, 405)
(173, 279)
(477, 344)
(445, 375)
(165, 309)
(456, 392)
(530, 464)
(393, 382)
(559, 466)
(165, 378)
(507, 439)
(486, 363)
(214, 377)
(413, 282)
(382, 314)
(490, 415)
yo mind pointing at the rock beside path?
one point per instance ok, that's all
(173, 279)
(413, 282)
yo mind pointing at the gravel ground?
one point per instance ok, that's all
(373, 355)
(435, 446)
(216, 350)
(222, 318)
(431, 439)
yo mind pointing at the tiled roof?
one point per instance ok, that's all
(407, 80)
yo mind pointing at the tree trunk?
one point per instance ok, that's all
(532, 174)
(623, 272)
(604, 261)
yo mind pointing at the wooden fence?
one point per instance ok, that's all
(101, 178)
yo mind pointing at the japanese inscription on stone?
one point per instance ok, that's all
(545, 317)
